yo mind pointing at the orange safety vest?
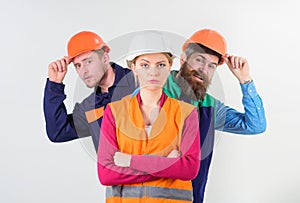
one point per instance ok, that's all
(165, 136)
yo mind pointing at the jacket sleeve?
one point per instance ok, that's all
(108, 172)
(185, 167)
(60, 126)
(252, 121)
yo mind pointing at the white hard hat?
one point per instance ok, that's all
(148, 42)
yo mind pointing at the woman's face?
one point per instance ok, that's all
(152, 70)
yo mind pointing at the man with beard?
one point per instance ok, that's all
(202, 53)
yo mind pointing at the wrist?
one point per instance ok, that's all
(246, 81)
(56, 81)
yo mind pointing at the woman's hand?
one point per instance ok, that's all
(122, 159)
(174, 154)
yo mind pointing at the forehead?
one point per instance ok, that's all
(209, 57)
(83, 56)
(152, 57)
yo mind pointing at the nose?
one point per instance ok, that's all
(203, 68)
(153, 71)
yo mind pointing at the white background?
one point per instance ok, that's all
(254, 169)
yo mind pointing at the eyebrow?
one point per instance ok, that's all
(156, 62)
(145, 60)
(206, 59)
(87, 58)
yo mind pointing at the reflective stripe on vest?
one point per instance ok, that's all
(148, 191)
(94, 114)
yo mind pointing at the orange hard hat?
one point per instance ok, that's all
(85, 41)
(210, 39)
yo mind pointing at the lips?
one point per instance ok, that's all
(87, 78)
(198, 77)
(153, 81)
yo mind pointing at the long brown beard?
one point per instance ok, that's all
(189, 85)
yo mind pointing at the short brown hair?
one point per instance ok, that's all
(199, 48)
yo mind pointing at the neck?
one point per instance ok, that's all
(150, 97)
(108, 79)
(150, 105)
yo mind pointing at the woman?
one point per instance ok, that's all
(149, 145)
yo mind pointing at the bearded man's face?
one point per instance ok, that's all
(198, 71)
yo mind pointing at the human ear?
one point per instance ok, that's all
(106, 58)
(132, 66)
(170, 64)
(182, 58)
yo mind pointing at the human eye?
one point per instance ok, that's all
(144, 65)
(200, 60)
(212, 66)
(161, 65)
(87, 62)
(77, 66)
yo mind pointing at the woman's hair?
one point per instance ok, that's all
(168, 55)
(199, 48)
